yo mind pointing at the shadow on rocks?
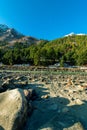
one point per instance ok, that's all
(39, 88)
(1, 128)
(54, 113)
(65, 117)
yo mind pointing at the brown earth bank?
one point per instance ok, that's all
(54, 102)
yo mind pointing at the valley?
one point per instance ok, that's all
(43, 84)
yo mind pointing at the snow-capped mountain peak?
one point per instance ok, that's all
(72, 33)
(80, 34)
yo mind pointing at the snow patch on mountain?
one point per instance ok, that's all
(72, 33)
(81, 34)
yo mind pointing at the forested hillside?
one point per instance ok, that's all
(71, 50)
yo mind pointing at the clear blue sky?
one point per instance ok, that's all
(45, 19)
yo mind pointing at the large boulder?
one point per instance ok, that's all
(13, 109)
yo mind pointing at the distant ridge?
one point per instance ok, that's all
(12, 36)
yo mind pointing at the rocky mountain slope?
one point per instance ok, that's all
(10, 35)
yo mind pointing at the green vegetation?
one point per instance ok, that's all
(71, 50)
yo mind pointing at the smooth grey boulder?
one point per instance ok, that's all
(13, 109)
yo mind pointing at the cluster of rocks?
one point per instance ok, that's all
(63, 103)
(60, 104)
(15, 101)
(8, 83)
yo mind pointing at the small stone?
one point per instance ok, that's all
(48, 128)
(45, 96)
(65, 109)
(79, 102)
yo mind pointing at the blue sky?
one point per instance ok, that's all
(45, 19)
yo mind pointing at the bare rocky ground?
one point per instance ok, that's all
(61, 102)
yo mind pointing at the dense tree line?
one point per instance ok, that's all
(71, 50)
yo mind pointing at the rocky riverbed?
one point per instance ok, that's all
(53, 102)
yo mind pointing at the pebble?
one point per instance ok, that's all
(45, 96)
(78, 101)
(65, 109)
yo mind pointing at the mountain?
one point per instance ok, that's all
(11, 36)
(72, 34)
(70, 39)
(15, 49)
